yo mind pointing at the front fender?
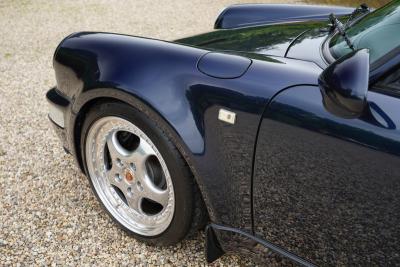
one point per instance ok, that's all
(164, 78)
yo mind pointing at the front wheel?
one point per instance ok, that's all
(138, 174)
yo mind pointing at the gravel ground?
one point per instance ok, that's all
(48, 213)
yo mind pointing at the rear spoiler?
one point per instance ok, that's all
(245, 15)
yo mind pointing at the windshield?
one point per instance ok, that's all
(378, 31)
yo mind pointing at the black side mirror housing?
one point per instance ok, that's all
(344, 84)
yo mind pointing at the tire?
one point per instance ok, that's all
(138, 174)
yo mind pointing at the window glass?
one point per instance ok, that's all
(378, 31)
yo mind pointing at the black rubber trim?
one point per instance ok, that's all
(213, 248)
(271, 246)
(56, 98)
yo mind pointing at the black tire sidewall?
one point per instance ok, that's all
(177, 168)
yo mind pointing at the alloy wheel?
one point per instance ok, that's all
(130, 176)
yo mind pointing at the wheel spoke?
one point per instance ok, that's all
(139, 156)
(115, 148)
(113, 178)
(152, 192)
(133, 198)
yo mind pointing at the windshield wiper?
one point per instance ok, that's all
(362, 9)
(337, 25)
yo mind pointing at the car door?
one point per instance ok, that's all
(328, 188)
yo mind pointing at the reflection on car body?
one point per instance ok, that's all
(273, 130)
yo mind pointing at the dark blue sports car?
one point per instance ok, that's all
(279, 132)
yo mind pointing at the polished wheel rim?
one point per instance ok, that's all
(130, 176)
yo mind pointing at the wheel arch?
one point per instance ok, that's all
(106, 95)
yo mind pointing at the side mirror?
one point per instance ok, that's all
(344, 84)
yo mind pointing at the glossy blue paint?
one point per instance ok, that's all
(286, 163)
(271, 40)
(326, 185)
(307, 46)
(344, 84)
(223, 66)
(246, 15)
(137, 70)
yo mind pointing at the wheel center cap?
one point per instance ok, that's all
(129, 176)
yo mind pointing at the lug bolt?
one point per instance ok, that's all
(133, 166)
(129, 191)
(139, 186)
